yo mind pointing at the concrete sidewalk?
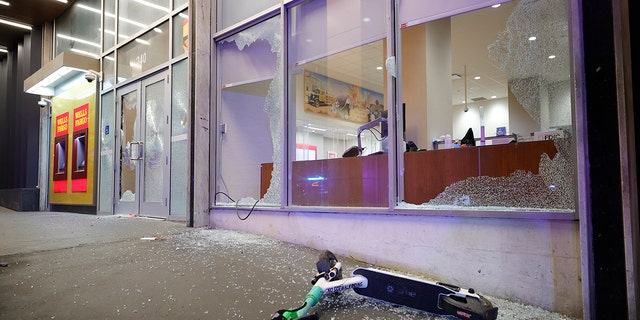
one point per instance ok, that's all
(74, 266)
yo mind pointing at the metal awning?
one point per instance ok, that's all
(65, 67)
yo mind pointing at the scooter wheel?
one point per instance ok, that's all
(326, 261)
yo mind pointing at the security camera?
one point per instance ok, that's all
(90, 77)
(44, 102)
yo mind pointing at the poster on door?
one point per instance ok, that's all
(73, 146)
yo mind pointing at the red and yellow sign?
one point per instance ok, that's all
(73, 146)
(62, 124)
(81, 117)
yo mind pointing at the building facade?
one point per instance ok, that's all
(485, 143)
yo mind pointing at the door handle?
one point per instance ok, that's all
(136, 150)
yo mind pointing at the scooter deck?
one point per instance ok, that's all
(424, 295)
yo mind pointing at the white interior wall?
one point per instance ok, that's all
(496, 114)
(245, 145)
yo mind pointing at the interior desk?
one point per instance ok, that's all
(364, 181)
(428, 173)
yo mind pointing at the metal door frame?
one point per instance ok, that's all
(139, 206)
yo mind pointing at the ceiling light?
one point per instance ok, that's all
(4, 3)
(532, 38)
(86, 53)
(378, 68)
(140, 41)
(477, 77)
(63, 1)
(496, 5)
(64, 36)
(15, 24)
(152, 5)
(553, 56)
(111, 15)
(3, 50)
(82, 6)
(315, 129)
(493, 97)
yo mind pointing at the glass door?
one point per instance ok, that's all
(142, 171)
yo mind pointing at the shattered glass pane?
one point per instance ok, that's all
(128, 127)
(251, 115)
(179, 147)
(536, 68)
(154, 142)
(529, 51)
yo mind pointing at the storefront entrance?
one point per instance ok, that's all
(142, 172)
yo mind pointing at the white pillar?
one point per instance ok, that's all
(439, 108)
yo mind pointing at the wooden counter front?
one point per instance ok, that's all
(428, 173)
(349, 182)
(364, 181)
(341, 182)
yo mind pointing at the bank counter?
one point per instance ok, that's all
(363, 181)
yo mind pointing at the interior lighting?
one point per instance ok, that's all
(477, 77)
(113, 33)
(378, 68)
(3, 50)
(129, 21)
(63, 1)
(4, 3)
(532, 38)
(111, 15)
(553, 56)
(64, 36)
(86, 53)
(15, 24)
(152, 5)
(315, 129)
(493, 97)
(145, 42)
(496, 5)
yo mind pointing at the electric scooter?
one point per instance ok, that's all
(433, 297)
